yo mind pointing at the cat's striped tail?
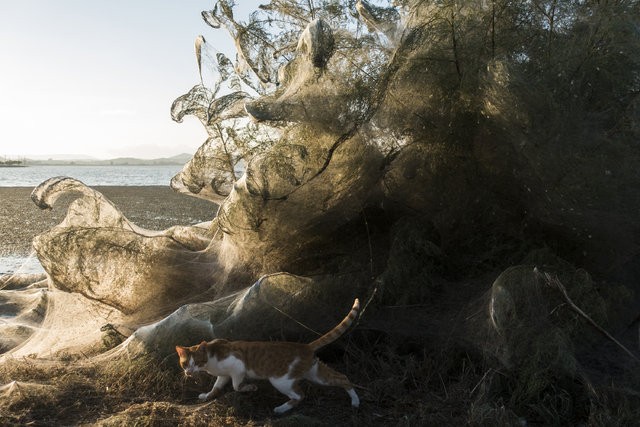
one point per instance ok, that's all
(336, 332)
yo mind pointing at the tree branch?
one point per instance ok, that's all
(554, 282)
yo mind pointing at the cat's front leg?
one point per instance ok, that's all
(216, 391)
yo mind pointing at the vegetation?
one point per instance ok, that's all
(401, 382)
(509, 134)
(504, 137)
(8, 162)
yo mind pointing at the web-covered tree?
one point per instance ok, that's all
(505, 94)
(428, 143)
(408, 154)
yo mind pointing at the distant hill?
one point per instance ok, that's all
(60, 157)
(179, 159)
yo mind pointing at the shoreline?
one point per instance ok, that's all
(95, 187)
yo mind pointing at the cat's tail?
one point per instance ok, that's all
(336, 332)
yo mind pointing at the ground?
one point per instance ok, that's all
(399, 385)
(395, 389)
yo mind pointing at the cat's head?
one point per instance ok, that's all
(193, 359)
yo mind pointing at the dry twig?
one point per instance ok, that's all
(553, 281)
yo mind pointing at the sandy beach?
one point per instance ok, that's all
(151, 207)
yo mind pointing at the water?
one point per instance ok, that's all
(20, 265)
(31, 176)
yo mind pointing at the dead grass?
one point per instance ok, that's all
(146, 392)
(400, 384)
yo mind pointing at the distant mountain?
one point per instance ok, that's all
(59, 157)
(179, 159)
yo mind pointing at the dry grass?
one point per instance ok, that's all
(146, 392)
(400, 384)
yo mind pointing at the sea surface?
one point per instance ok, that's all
(31, 176)
(20, 265)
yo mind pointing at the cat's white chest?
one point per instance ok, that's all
(228, 366)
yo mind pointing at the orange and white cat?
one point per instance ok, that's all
(284, 364)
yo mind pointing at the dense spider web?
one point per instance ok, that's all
(413, 152)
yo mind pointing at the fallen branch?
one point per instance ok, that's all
(553, 281)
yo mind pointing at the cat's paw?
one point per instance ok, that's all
(279, 410)
(203, 396)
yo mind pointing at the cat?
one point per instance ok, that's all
(284, 364)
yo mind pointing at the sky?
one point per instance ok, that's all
(98, 77)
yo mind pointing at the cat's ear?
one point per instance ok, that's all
(182, 352)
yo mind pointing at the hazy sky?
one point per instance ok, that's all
(97, 77)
